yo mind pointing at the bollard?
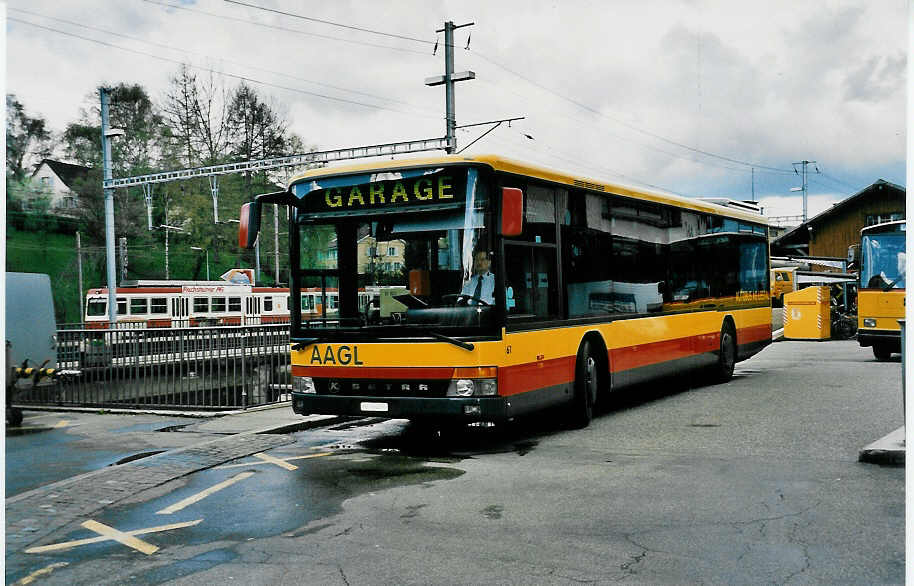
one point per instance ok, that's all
(903, 408)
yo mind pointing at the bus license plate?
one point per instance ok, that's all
(374, 407)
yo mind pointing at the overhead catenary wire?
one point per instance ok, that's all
(250, 22)
(222, 73)
(621, 122)
(230, 61)
(748, 165)
(331, 23)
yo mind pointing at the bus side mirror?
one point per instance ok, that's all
(250, 224)
(512, 211)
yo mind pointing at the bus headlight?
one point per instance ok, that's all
(466, 387)
(303, 384)
(869, 322)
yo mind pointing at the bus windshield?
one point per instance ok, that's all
(883, 261)
(409, 254)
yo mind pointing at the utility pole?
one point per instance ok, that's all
(79, 269)
(805, 187)
(123, 244)
(109, 211)
(448, 80)
(276, 241)
(753, 183)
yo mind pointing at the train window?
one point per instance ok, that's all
(158, 305)
(122, 306)
(268, 303)
(218, 304)
(96, 308)
(201, 304)
(139, 306)
(234, 303)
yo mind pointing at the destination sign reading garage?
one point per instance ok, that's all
(383, 191)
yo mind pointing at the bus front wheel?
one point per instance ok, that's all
(586, 385)
(882, 352)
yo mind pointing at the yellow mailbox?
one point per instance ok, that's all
(807, 314)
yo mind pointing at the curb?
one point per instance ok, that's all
(164, 412)
(889, 450)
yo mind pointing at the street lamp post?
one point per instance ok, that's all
(207, 258)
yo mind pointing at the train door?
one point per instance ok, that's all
(179, 311)
(252, 309)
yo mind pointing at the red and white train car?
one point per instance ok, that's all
(165, 304)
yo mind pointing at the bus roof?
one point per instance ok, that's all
(506, 165)
(894, 226)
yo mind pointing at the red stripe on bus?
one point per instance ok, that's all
(657, 352)
(522, 378)
(753, 334)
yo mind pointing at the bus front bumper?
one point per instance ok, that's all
(468, 410)
(891, 338)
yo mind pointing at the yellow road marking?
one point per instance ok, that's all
(39, 573)
(203, 494)
(78, 542)
(120, 537)
(30, 417)
(62, 423)
(277, 459)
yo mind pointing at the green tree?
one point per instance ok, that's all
(28, 139)
(138, 152)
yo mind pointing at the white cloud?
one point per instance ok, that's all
(769, 83)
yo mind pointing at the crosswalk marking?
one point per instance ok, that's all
(272, 460)
(203, 494)
(277, 461)
(120, 537)
(78, 542)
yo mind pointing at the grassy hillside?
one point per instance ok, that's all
(55, 255)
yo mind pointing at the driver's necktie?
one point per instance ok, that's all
(477, 293)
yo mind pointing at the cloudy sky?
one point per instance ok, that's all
(701, 98)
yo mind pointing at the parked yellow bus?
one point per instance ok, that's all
(880, 295)
(525, 288)
(783, 280)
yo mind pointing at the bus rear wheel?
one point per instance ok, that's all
(722, 371)
(586, 386)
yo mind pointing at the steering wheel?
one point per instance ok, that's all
(463, 297)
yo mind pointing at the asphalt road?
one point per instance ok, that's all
(754, 481)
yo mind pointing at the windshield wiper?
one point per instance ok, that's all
(304, 343)
(891, 285)
(448, 339)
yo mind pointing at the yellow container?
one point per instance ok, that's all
(807, 314)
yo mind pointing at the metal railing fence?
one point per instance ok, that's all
(224, 367)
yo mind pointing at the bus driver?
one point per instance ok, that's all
(481, 285)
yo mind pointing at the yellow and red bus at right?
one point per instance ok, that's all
(880, 298)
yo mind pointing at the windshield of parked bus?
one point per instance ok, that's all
(883, 261)
(416, 248)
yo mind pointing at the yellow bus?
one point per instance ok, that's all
(880, 295)
(521, 288)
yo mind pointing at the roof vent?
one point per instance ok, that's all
(589, 185)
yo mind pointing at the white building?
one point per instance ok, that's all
(57, 181)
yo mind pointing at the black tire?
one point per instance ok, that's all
(586, 386)
(14, 416)
(881, 351)
(722, 371)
